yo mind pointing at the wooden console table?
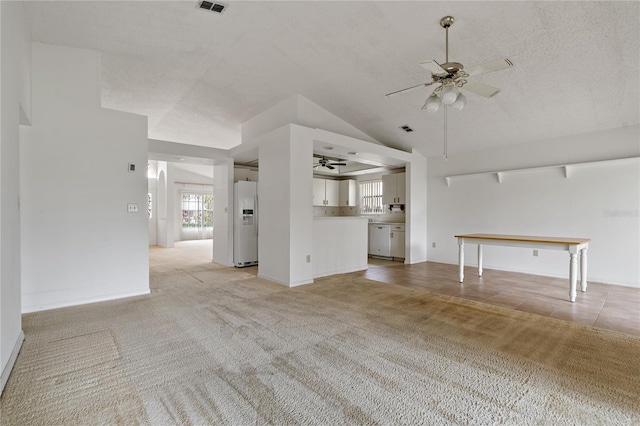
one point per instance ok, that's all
(572, 245)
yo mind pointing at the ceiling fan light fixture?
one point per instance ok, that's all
(449, 95)
(459, 103)
(433, 103)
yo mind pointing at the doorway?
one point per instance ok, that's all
(196, 216)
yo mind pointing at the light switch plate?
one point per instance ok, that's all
(132, 208)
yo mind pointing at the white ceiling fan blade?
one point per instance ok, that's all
(496, 65)
(433, 67)
(408, 89)
(481, 89)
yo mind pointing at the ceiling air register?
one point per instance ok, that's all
(215, 7)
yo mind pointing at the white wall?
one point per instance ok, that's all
(80, 244)
(299, 110)
(600, 202)
(152, 187)
(285, 206)
(416, 209)
(15, 108)
(161, 221)
(223, 211)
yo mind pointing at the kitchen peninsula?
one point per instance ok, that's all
(339, 245)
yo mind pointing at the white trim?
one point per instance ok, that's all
(85, 301)
(342, 271)
(291, 284)
(12, 360)
(592, 279)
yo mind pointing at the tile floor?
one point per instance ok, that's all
(605, 306)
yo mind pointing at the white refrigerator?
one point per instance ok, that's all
(245, 224)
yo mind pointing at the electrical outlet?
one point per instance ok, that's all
(308, 258)
(132, 208)
(433, 245)
(535, 252)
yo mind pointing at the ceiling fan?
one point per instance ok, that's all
(325, 162)
(451, 76)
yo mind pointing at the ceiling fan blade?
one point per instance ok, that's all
(481, 89)
(330, 167)
(408, 89)
(433, 67)
(496, 65)
(338, 164)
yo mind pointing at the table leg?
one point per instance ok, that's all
(573, 272)
(461, 259)
(479, 260)
(583, 269)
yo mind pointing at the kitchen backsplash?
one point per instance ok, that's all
(335, 211)
(394, 217)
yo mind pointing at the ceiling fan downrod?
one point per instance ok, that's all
(445, 23)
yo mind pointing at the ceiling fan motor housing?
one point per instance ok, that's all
(452, 68)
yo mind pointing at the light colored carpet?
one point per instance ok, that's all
(214, 345)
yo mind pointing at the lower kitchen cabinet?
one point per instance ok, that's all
(397, 238)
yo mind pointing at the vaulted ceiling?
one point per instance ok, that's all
(199, 75)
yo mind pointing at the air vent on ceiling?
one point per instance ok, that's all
(406, 128)
(216, 7)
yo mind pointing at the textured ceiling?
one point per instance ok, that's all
(198, 75)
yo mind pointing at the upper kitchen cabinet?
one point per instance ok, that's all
(394, 189)
(326, 192)
(348, 192)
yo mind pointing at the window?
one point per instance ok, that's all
(197, 216)
(197, 210)
(371, 197)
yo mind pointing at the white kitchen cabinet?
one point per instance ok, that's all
(394, 189)
(326, 192)
(348, 192)
(397, 237)
(332, 192)
(318, 192)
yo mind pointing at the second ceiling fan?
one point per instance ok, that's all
(325, 162)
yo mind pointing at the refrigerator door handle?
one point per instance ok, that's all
(256, 212)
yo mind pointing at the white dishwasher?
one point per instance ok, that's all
(379, 239)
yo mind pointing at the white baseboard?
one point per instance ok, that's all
(590, 278)
(341, 271)
(286, 284)
(12, 360)
(83, 301)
